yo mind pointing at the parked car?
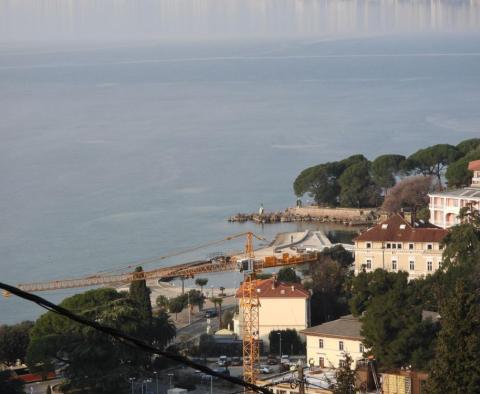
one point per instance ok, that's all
(285, 359)
(236, 361)
(209, 314)
(223, 361)
(223, 371)
(265, 369)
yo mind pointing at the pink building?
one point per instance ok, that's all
(445, 206)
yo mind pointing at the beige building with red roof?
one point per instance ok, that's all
(282, 306)
(445, 206)
(395, 245)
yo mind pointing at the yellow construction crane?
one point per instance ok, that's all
(249, 265)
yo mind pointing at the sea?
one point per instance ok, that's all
(132, 129)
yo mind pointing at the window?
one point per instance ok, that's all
(440, 246)
(394, 265)
(369, 245)
(429, 266)
(429, 246)
(412, 265)
(411, 246)
(361, 349)
(394, 246)
(320, 343)
(388, 245)
(369, 264)
(281, 391)
(340, 345)
(399, 246)
(341, 363)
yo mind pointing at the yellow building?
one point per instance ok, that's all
(328, 343)
(282, 306)
(395, 245)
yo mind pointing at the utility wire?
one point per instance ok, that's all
(128, 339)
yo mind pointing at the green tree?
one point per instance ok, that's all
(462, 243)
(455, 368)
(357, 186)
(176, 305)
(196, 298)
(365, 287)
(162, 302)
(291, 342)
(433, 160)
(328, 300)
(227, 319)
(14, 342)
(458, 174)
(217, 301)
(288, 275)
(339, 254)
(395, 332)
(320, 182)
(140, 293)
(8, 386)
(345, 377)
(201, 282)
(384, 169)
(85, 352)
(469, 145)
(164, 329)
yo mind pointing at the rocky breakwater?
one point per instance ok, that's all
(346, 216)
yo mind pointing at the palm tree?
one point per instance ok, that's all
(201, 282)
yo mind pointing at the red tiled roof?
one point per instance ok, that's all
(474, 165)
(267, 289)
(396, 228)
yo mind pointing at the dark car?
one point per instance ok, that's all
(209, 314)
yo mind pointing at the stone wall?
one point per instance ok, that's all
(333, 213)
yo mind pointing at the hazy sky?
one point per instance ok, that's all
(58, 20)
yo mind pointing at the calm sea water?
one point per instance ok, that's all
(133, 129)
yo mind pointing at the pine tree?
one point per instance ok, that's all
(140, 293)
(455, 368)
(345, 377)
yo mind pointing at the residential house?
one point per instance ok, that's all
(327, 343)
(282, 306)
(445, 206)
(396, 245)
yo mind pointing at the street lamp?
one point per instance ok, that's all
(156, 379)
(211, 287)
(131, 381)
(146, 382)
(170, 375)
(211, 384)
(280, 335)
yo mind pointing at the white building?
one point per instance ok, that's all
(328, 343)
(282, 306)
(445, 206)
